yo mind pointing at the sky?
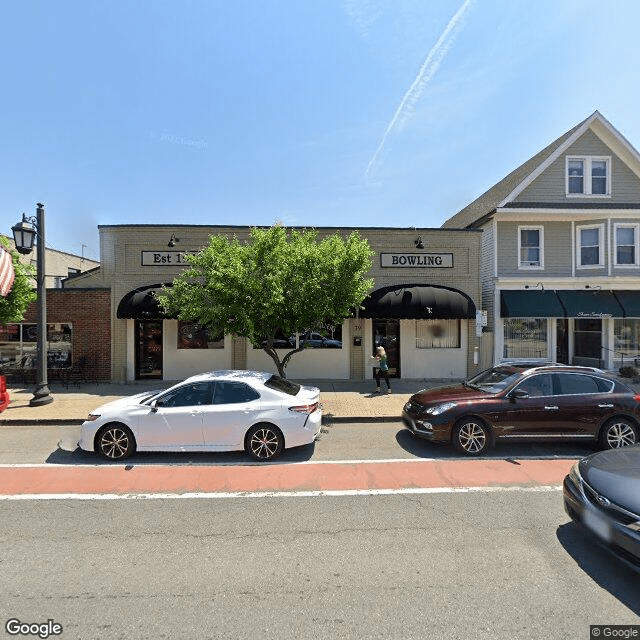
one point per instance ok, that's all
(328, 113)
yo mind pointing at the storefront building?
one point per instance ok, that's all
(423, 308)
(561, 252)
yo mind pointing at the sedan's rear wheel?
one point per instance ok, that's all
(264, 442)
(471, 437)
(115, 442)
(618, 432)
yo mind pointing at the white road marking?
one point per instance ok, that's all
(279, 494)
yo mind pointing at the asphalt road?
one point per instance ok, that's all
(500, 562)
(499, 565)
(359, 441)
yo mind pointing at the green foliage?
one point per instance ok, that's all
(280, 281)
(14, 306)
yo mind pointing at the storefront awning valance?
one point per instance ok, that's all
(530, 304)
(418, 301)
(141, 304)
(630, 303)
(590, 304)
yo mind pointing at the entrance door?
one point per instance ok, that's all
(148, 349)
(386, 333)
(562, 341)
(587, 341)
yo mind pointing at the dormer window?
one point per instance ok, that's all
(588, 176)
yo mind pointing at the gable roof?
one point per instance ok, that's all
(502, 193)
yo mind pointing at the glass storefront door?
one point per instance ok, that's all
(587, 342)
(148, 349)
(386, 333)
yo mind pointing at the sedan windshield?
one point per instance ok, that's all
(494, 380)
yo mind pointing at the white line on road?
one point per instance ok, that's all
(278, 494)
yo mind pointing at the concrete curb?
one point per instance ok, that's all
(52, 422)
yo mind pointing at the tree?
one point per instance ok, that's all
(279, 283)
(14, 306)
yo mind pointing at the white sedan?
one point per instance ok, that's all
(219, 411)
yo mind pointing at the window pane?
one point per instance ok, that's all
(188, 395)
(599, 168)
(576, 168)
(589, 237)
(574, 383)
(625, 235)
(525, 338)
(626, 255)
(327, 337)
(530, 237)
(590, 255)
(537, 386)
(626, 333)
(233, 393)
(576, 185)
(599, 186)
(194, 336)
(437, 334)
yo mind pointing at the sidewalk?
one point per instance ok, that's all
(343, 400)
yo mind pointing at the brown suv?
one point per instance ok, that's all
(513, 401)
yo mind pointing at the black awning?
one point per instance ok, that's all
(141, 304)
(590, 304)
(630, 303)
(418, 301)
(530, 304)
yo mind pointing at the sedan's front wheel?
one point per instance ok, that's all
(115, 442)
(617, 433)
(471, 437)
(264, 442)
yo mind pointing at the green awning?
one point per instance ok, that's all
(630, 302)
(530, 304)
(590, 304)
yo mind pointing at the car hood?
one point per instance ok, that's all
(447, 394)
(616, 475)
(121, 403)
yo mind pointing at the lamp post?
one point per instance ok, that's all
(24, 234)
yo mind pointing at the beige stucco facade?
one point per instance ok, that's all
(134, 256)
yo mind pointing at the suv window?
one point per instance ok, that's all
(576, 383)
(228, 392)
(537, 385)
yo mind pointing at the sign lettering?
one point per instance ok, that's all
(163, 258)
(417, 260)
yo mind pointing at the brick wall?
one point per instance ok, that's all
(89, 313)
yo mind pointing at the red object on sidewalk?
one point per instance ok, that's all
(4, 394)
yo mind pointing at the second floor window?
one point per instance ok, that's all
(626, 241)
(588, 176)
(530, 248)
(589, 251)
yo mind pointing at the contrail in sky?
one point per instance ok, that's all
(427, 71)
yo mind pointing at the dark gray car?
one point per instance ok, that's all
(602, 492)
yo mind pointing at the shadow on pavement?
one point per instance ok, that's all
(238, 458)
(606, 570)
(502, 451)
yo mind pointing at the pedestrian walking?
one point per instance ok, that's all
(382, 369)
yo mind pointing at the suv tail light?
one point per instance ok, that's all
(305, 408)
(637, 397)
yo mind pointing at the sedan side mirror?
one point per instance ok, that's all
(518, 394)
(156, 404)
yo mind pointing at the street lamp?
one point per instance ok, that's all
(24, 234)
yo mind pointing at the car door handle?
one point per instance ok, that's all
(551, 408)
(606, 406)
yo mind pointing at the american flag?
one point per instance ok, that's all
(7, 273)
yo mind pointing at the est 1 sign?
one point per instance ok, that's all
(163, 258)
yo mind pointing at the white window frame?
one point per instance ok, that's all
(524, 265)
(636, 244)
(601, 245)
(588, 178)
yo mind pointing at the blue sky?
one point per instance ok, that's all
(333, 112)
